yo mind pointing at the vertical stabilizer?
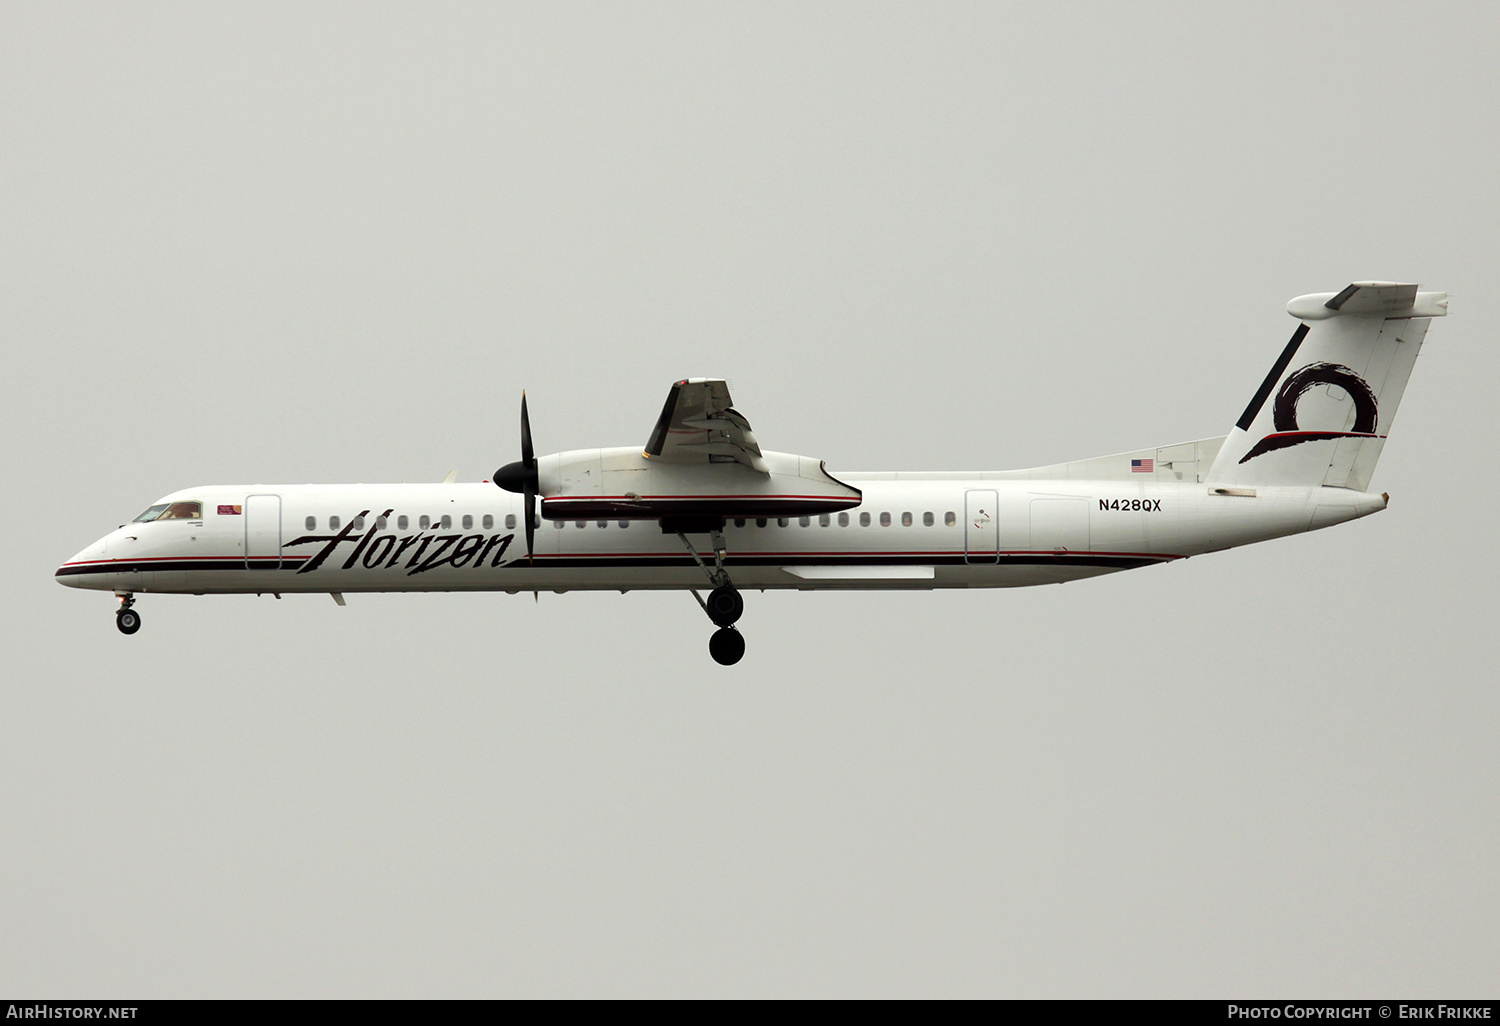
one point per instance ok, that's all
(1323, 412)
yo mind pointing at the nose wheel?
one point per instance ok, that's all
(127, 619)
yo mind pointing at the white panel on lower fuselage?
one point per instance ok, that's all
(1060, 525)
(862, 573)
(263, 530)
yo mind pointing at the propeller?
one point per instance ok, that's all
(521, 476)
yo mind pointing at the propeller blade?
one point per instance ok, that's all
(521, 476)
(528, 456)
(530, 524)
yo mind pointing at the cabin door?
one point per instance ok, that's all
(981, 526)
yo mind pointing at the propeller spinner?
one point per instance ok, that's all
(521, 477)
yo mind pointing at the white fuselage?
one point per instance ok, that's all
(911, 531)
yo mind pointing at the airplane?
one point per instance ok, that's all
(703, 508)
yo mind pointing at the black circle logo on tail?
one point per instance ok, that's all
(1314, 374)
(1284, 412)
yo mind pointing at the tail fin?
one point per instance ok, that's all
(1333, 392)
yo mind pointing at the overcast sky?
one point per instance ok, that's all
(332, 242)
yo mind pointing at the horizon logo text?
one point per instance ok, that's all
(384, 551)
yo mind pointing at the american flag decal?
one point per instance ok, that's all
(1143, 466)
(229, 511)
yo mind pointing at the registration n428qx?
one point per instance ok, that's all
(702, 508)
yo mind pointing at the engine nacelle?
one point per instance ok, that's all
(625, 484)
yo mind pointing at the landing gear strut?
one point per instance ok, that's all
(127, 619)
(724, 605)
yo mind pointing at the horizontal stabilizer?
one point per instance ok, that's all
(1367, 298)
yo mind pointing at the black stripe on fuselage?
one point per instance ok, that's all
(944, 559)
(147, 566)
(588, 562)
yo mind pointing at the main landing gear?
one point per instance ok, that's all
(724, 604)
(127, 619)
(726, 645)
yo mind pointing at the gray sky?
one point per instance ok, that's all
(332, 242)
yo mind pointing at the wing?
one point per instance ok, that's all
(701, 466)
(698, 425)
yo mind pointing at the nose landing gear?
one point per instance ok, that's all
(127, 619)
(724, 605)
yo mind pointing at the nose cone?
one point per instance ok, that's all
(74, 573)
(69, 574)
(516, 477)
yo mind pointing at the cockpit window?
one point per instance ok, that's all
(183, 511)
(172, 511)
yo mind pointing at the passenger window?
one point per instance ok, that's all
(906, 520)
(760, 521)
(581, 523)
(468, 521)
(401, 522)
(183, 511)
(781, 521)
(804, 522)
(926, 519)
(424, 522)
(864, 520)
(739, 521)
(824, 521)
(510, 521)
(885, 520)
(488, 522)
(359, 523)
(380, 522)
(311, 523)
(950, 518)
(558, 524)
(624, 523)
(333, 523)
(446, 523)
(843, 520)
(604, 523)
